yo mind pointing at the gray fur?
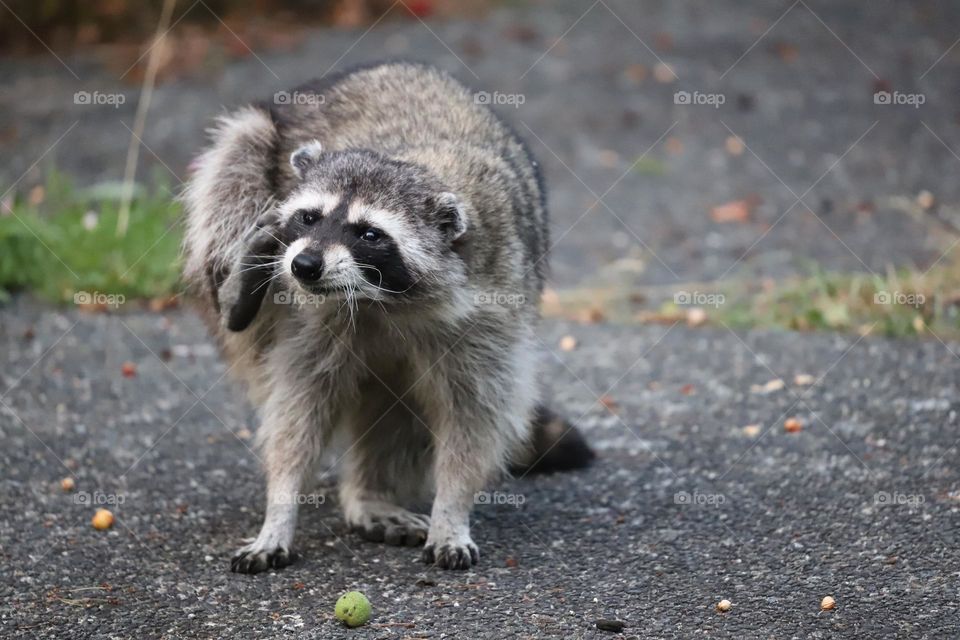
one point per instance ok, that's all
(433, 388)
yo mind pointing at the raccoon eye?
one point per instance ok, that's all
(370, 234)
(309, 217)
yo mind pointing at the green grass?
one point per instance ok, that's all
(48, 249)
(896, 303)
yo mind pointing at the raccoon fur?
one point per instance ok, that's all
(370, 255)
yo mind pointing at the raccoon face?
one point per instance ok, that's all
(361, 226)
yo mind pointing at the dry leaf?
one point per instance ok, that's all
(663, 73)
(734, 145)
(635, 73)
(609, 403)
(736, 211)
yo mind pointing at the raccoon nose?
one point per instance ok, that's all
(306, 267)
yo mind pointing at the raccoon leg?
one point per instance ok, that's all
(291, 439)
(230, 187)
(478, 417)
(385, 467)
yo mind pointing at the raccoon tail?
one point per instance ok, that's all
(555, 445)
(230, 186)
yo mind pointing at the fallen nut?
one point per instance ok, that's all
(102, 520)
(792, 425)
(67, 484)
(828, 603)
(724, 605)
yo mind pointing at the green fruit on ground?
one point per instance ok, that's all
(353, 609)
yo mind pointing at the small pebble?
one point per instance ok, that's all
(696, 316)
(568, 343)
(724, 605)
(792, 425)
(615, 626)
(67, 484)
(828, 603)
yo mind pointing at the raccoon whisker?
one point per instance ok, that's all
(253, 267)
(266, 282)
(380, 283)
(285, 245)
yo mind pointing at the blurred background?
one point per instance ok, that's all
(787, 164)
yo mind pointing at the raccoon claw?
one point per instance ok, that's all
(452, 556)
(409, 530)
(249, 560)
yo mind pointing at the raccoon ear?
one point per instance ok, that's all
(451, 215)
(305, 157)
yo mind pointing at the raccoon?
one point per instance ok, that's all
(370, 254)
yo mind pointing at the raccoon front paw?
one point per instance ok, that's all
(253, 559)
(452, 555)
(399, 528)
(242, 292)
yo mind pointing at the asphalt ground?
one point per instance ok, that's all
(683, 508)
